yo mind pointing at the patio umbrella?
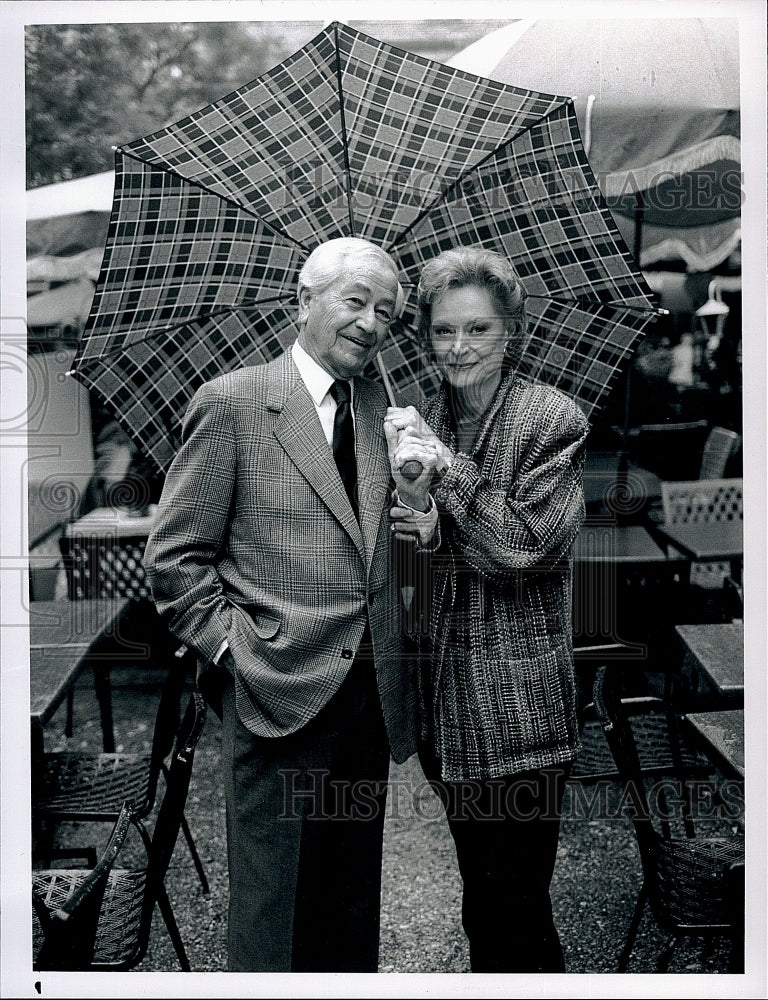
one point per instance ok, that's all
(213, 216)
(658, 103)
(69, 217)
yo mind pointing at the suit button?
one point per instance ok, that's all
(346, 654)
(370, 599)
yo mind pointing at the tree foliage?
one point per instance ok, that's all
(93, 86)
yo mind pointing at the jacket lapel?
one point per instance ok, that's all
(506, 386)
(298, 430)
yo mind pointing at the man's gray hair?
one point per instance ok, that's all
(322, 266)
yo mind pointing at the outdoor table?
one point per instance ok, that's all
(65, 637)
(715, 653)
(115, 522)
(625, 543)
(710, 541)
(722, 733)
(621, 576)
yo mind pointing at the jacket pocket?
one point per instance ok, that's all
(535, 700)
(251, 625)
(265, 626)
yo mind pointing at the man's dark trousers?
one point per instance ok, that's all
(305, 817)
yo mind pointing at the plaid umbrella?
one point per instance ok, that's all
(214, 215)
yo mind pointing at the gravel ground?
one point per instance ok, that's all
(595, 886)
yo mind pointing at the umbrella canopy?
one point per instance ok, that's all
(215, 214)
(69, 217)
(63, 307)
(658, 104)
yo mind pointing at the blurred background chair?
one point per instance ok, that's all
(720, 445)
(692, 883)
(701, 501)
(106, 564)
(132, 893)
(670, 450)
(733, 599)
(625, 593)
(88, 787)
(663, 746)
(704, 501)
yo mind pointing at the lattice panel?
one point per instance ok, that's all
(704, 500)
(105, 567)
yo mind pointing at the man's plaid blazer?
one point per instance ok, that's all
(256, 543)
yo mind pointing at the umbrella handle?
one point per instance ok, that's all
(412, 470)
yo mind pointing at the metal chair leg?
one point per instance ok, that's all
(662, 964)
(735, 889)
(195, 856)
(633, 927)
(191, 845)
(173, 929)
(69, 724)
(103, 686)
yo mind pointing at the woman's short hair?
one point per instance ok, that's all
(479, 268)
(322, 266)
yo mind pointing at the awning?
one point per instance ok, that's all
(64, 307)
(658, 106)
(67, 218)
(85, 194)
(81, 265)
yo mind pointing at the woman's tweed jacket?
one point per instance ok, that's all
(499, 695)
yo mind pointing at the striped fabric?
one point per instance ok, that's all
(213, 216)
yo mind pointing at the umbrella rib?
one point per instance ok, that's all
(475, 166)
(230, 201)
(344, 141)
(200, 316)
(589, 303)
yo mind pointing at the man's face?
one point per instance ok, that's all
(344, 326)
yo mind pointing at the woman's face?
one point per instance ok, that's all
(468, 336)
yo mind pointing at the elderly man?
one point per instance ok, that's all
(270, 558)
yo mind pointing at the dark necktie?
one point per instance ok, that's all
(344, 440)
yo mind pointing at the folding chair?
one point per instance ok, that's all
(87, 787)
(702, 501)
(671, 450)
(131, 894)
(693, 884)
(67, 905)
(718, 448)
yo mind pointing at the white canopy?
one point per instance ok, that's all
(86, 194)
(658, 106)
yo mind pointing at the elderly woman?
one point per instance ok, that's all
(499, 727)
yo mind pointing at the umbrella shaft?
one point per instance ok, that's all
(413, 469)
